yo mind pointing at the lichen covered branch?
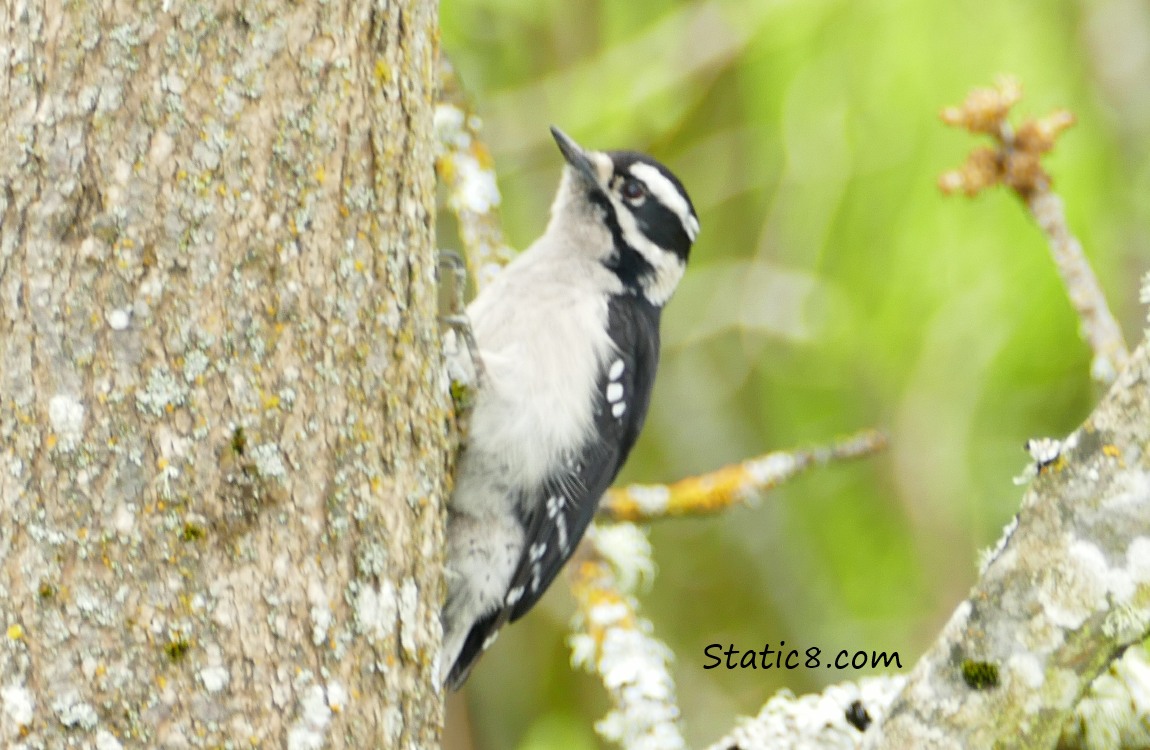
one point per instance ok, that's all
(835, 719)
(731, 485)
(1114, 714)
(1064, 592)
(466, 169)
(612, 640)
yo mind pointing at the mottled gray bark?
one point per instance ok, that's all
(222, 441)
(1066, 591)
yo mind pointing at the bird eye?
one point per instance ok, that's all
(634, 190)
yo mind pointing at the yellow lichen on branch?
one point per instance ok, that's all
(611, 639)
(733, 484)
(593, 585)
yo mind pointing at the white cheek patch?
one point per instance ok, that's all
(668, 268)
(665, 191)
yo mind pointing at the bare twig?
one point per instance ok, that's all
(1098, 325)
(1016, 162)
(731, 485)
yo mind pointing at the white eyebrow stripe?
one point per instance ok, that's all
(667, 268)
(667, 194)
(692, 227)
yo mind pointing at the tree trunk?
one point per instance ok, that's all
(222, 442)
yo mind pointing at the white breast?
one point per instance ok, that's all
(541, 328)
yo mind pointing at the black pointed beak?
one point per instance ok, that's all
(575, 156)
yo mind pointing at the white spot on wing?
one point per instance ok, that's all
(614, 392)
(561, 527)
(513, 596)
(616, 370)
(555, 506)
(490, 640)
(618, 409)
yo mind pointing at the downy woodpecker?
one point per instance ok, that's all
(568, 338)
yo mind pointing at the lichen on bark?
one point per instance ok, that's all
(223, 454)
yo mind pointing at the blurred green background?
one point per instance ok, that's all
(832, 288)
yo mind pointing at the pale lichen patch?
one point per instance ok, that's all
(118, 318)
(632, 662)
(628, 549)
(771, 469)
(376, 610)
(1113, 713)
(393, 725)
(1138, 560)
(337, 697)
(372, 559)
(19, 704)
(1026, 668)
(409, 634)
(195, 364)
(816, 719)
(1126, 623)
(1076, 587)
(105, 740)
(269, 461)
(214, 679)
(66, 414)
(309, 732)
(73, 712)
(651, 499)
(321, 614)
(163, 391)
(1132, 491)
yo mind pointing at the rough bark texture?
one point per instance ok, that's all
(1067, 590)
(222, 444)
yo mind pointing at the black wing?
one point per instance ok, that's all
(567, 501)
